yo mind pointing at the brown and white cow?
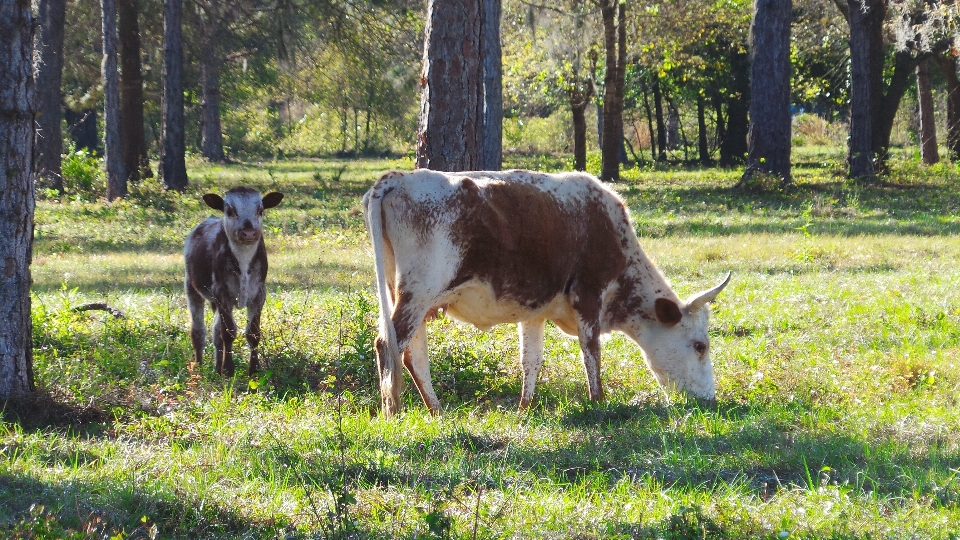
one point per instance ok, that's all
(226, 263)
(525, 247)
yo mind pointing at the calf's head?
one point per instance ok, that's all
(242, 209)
(675, 342)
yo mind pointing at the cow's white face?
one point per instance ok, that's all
(679, 354)
(676, 345)
(243, 212)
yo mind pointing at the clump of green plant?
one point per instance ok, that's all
(83, 178)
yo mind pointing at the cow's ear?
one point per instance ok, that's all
(272, 199)
(213, 201)
(668, 312)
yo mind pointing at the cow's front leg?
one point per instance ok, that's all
(225, 331)
(531, 358)
(589, 332)
(418, 364)
(253, 337)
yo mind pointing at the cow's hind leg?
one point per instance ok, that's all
(531, 358)
(224, 332)
(197, 330)
(407, 317)
(253, 337)
(416, 361)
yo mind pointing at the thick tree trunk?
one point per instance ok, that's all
(866, 84)
(702, 146)
(133, 142)
(661, 125)
(733, 146)
(113, 157)
(615, 44)
(491, 148)
(948, 65)
(17, 116)
(928, 128)
(49, 139)
(211, 142)
(173, 167)
(770, 129)
(451, 100)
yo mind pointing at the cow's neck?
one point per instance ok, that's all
(245, 254)
(643, 280)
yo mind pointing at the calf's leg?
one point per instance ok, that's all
(197, 331)
(253, 337)
(531, 358)
(224, 332)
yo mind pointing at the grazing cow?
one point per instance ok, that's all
(525, 247)
(226, 264)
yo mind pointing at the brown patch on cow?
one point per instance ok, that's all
(668, 312)
(530, 247)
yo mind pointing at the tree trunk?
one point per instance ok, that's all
(82, 128)
(948, 65)
(866, 83)
(928, 128)
(650, 131)
(49, 139)
(133, 140)
(173, 167)
(733, 146)
(770, 129)
(112, 156)
(451, 99)
(491, 148)
(615, 44)
(702, 146)
(661, 126)
(578, 106)
(211, 142)
(17, 116)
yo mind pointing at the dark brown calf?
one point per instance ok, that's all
(226, 263)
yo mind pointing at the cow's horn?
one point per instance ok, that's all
(698, 301)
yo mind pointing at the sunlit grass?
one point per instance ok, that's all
(836, 347)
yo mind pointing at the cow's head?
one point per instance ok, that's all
(675, 342)
(242, 209)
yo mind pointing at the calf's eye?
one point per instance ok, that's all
(700, 347)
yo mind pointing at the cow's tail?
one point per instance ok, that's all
(387, 348)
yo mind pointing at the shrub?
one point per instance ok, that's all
(83, 177)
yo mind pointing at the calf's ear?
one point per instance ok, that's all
(213, 201)
(272, 199)
(668, 312)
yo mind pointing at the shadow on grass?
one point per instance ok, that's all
(71, 508)
(39, 410)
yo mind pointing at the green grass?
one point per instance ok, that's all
(836, 347)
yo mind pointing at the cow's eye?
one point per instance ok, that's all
(700, 347)
(231, 212)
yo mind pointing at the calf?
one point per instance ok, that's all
(226, 264)
(525, 247)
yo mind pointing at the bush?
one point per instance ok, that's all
(82, 172)
(811, 129)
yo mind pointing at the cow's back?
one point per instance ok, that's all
(528, 236)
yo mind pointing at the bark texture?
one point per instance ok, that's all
(491, 149)
(451, 99)
(49, 105)
(579, 99)
(928, 128)
(133, 142)
(615, 44)
(948, 65)
(866, 84)
(211, 140)
(17, 114)
(112, 156)
(173, 167)
(768, 140)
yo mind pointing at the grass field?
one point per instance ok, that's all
(836, 347)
